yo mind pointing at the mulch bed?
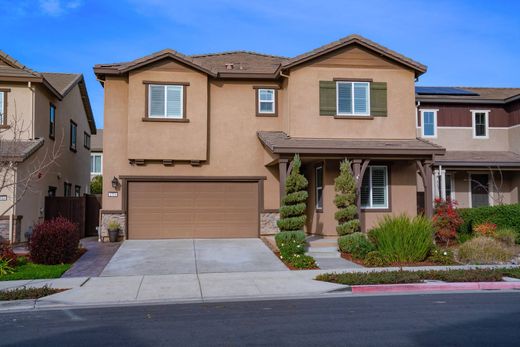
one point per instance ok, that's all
(348, 257)
(290, 267)
(28, 293)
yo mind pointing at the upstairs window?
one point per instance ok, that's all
(52, 121)
(86, 140)
(480, 124)
(374, 187)
(429, 123)
(95, 164)
(353, 98)
(166, 101)
(266, 101)
(73, 136)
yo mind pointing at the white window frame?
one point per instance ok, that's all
(434, 136)
(273, 102)
(474, 123)
(353, 113)
(165, 86)
(93, 155)
(371, 205)
(318, 205)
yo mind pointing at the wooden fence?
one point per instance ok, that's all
(84, 211)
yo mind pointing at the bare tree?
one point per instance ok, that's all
(16, 179)
(494, 188)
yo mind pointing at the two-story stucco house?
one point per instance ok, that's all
(46, 122)
(480, 129)
(199, 146)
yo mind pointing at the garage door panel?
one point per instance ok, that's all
(192, 209)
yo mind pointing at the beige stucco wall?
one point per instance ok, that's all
(402, 195)
(68, 167)
(514, 139)
(461, 139)
(303, 98)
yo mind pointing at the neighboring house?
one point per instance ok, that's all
(96, 154)
(480, 129)
(52, 113)
(200, 146)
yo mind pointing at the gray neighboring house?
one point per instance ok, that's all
(96, 154)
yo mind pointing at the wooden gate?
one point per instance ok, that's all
(84, 211)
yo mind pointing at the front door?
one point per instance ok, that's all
(479, 190)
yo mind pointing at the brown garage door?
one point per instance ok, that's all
(165, 210)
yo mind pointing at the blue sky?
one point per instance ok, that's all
(465, 43)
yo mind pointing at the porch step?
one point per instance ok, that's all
(329, 249)
(320, 241)
(324, 255)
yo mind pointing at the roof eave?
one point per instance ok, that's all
(460, 100)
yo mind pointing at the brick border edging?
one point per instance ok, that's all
(428, 287)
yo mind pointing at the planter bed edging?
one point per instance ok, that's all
(427, 287)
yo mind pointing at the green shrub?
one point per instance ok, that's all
(356, 244)
(96, 185)
(403, 239)
(345, 201)
(292, 211)
(442, 256)
(484, 250)
(302, 261)
(504, 216)
(506, 236)
(464, 237)
(5, 268)
(290, 243)
(473, 275)
(374, 259)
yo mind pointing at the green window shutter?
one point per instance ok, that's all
(327, 98)
(378, 98)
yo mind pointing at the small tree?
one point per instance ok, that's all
(292, 211)
(96, 185)
(345, 201)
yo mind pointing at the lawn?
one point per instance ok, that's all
(31, 271)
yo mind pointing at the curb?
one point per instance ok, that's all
(428, 287)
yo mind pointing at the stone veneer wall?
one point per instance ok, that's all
(108, 216)
(268, 223)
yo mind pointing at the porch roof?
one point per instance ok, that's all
(18, 150)
(279, 142)
(479, 159)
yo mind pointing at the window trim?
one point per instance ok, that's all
(451, 174)
(274, 102)
(3, 124)
(73, 125)
(387, 207)
(474, 124)
(434, 136)
(93, 155)
(148, 118)
(52, 125)
(317, 207)
(353, 113)
(86, 136)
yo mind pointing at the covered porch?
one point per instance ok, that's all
(386, 174)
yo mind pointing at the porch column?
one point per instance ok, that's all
(359, 167)
(425, 171)
(282, 169)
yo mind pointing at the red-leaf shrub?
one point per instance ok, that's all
(6, 253)
(54, 242)
(486, 229)
(446, 220)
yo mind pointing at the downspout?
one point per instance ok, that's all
(12, 235)
(33, 116)
(288, 107)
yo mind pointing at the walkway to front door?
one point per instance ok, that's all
(190, 256)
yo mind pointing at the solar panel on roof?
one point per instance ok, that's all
(444, 91)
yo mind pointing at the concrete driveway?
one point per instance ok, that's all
(188, 256)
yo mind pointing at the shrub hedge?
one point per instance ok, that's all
(504, 216)
(356, 244)
(54, 242)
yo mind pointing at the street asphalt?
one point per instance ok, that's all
(462, 319)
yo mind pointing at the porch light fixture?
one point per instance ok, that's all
(115, 182)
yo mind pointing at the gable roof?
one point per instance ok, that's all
(247, 64)
(358, 40)
(475, 95)
(59, 84)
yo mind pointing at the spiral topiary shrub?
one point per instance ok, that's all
(292, 211)
(345, 201)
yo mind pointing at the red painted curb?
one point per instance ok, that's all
(427, 287)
